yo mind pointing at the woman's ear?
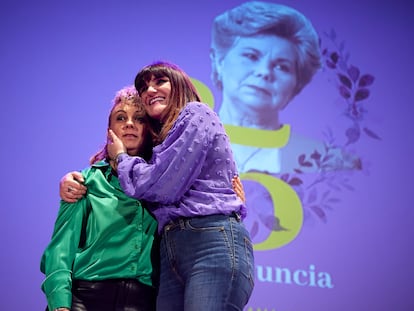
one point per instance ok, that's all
(216, 67)
(212, 54)
(216, 61)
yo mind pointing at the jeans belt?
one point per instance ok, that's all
(180, 221)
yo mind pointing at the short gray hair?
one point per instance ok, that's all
(256, 17)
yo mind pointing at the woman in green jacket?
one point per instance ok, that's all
(103, 252)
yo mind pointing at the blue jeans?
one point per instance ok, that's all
(206, 264)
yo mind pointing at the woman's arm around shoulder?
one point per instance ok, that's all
(176, 163)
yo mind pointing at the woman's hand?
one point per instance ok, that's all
(115, 146)
(71, 187)
(238, 188)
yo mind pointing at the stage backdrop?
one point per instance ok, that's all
(332, 231)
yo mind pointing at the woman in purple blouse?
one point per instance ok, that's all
(206, 253)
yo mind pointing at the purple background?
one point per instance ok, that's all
(62, 62)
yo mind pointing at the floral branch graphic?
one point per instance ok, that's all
(334, 166)
(353, 88)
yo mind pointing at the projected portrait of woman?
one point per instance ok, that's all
(263, 55)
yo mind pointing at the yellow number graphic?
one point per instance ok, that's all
(287, 208)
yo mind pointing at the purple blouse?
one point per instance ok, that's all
(190, 173)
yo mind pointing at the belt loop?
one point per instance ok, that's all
(182, 223)
(237, 216)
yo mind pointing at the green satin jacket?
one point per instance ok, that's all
(105, 235)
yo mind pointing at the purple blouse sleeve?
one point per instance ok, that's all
(175, 164)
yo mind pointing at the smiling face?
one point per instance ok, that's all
(128, 122)
(155, 96)
(259, 73)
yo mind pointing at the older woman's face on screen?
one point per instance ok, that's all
(259, 72)
(128, 123)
